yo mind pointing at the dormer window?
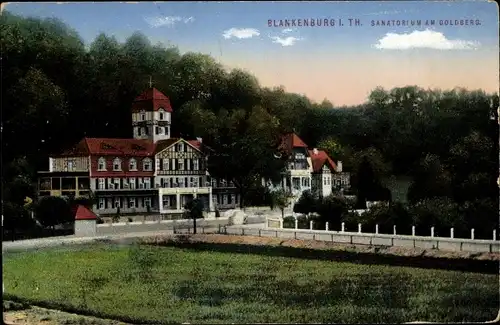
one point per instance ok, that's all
(143, 116)
(132, 165)
(180, 147)
(147, 164)
(162, 115)
(101, 164)
(117, 164)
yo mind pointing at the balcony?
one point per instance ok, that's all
(126, 187)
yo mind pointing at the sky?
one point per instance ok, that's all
(361, 46)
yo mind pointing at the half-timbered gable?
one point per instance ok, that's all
(179, 157)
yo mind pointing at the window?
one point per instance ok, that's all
(70, 164)
(180, 164)
(180, 147)
(117, 203)
(324, 181)
(116, 181)
(158, 164)
(101, 164)
(166, 164)
(195, 164)
(117, 164)
(161, 115)
(101, 203)
(159, 130)
(132, 164)
(165, 200)
(147, 201)
(146, 130)
(131, 183)
(101, 184)
(181, 181)
(147, 182)
(139, 131)
(131, 202)
(143, 116)
(146, 164)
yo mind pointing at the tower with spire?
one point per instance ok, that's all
(151, 115)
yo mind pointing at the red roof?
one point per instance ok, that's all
(319, 159)
(151, 100)
(82, 213)
(290, 141)
(120, 147)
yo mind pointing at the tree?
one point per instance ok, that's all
(332, 147)
(306, 203)
(194, 210)
(244, 149)
(280, 199)
(431, 180)
(52, 211)
(331, 208)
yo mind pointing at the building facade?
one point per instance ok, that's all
(309, 170)
(150, 172)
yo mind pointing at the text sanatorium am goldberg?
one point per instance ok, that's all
(331, 22)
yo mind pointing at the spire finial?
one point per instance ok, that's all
(150, 82)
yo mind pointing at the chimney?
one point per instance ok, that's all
(315, 151)
(339, 166)
(200, 140)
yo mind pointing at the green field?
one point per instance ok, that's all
(164, 284)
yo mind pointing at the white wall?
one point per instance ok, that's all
(85, 228)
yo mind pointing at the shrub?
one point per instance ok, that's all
(53, 210)
(440, 213)
(331, 209)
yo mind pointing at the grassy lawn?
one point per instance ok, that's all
(164, 284)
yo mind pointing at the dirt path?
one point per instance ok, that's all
(323, 245)
(42, 316)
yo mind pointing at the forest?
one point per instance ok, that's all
(56, 89)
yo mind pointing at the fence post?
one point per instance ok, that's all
(311, 225)
(326, 226)
(413, 230)
(359, 228)
(376, 228)
(494, 234)
(432, 231)
(452, 232)
(394, 229)
(343, 227)
(296, 223)
(281, 223)
(472, 233)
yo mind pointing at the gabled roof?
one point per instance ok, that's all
(82, 213)
(319, 159)
(151, 100)
(290, 141)
(164, 144)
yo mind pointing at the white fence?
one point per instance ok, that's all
(274, 228)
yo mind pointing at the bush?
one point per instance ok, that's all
(386, 216)
(331, 209)
(53, 210)
(440, 213)
(306, 203)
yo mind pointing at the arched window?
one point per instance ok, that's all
(147, 165)
(132, 164)
(162, 114)
(117, 164)
(143, 116)
(101, 164)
